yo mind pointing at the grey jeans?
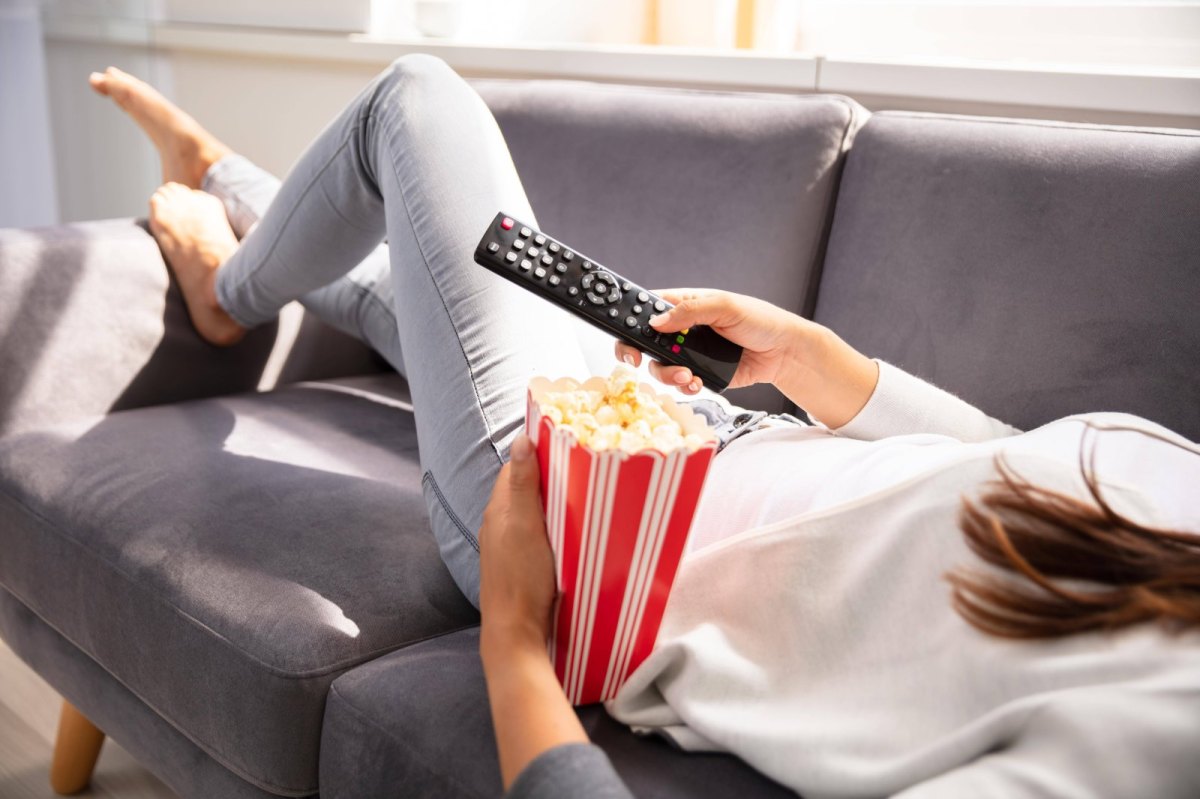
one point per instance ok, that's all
(416, 158)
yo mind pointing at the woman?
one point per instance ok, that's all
(810, 631)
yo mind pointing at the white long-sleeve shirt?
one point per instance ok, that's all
(810, 630)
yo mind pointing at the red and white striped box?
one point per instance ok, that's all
(618, 525)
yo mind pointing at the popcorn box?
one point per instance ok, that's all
(618, 524)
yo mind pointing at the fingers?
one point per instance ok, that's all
(627, 354)
(523, 484)
(98, 82)
(708, 309)
(678, 376)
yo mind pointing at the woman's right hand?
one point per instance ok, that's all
(808, 362)
(768, 335)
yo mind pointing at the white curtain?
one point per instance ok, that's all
(27, 188)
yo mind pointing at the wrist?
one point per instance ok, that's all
(503, 640)
(827, 377)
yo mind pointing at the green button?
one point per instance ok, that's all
(679, 339)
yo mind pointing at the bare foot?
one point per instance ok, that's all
(195, 237)
(186, 149)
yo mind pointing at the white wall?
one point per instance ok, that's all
(27, 189)
(268, 98)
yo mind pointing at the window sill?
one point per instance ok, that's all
(1125, 90)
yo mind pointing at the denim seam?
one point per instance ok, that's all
(283, 227)
(429, 479)
(488, 423)
(368, 294)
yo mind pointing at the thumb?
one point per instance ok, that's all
(523, 469)
(706, 310)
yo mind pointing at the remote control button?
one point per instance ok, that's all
(560, 268)
(493, 247)
(660, 306)
(674, 348)
(506, 223)
(614, 296)
(643, 296)
(679, 339)
(626, 286)
(526, 265)
(547, 259)
(540, 239)
(601, 288)
(587, 281)
(568, 255)
(684, 331)
(518, 244)
(511, 257)
(525, 233)
(613, 312)
(534, 252)
(539, 272)
(554, 280)
(573, 291)
(553, 246)
(587, 265)
(595, 299)
(637, 309)
(649, 332)
(630, 321)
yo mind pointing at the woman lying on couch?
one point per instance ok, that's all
(907, 597)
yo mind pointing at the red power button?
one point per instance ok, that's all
(506, 223)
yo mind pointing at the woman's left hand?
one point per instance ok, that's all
(516, 568)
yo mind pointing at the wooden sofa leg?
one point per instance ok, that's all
(75, 751)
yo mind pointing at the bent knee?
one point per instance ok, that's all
(420, 67)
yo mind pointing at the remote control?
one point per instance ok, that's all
(558, 273)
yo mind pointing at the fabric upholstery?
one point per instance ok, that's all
(1036, 269)
(158, 746)
(90, 322)
(419, 718)
(677, 188)
(226, 559)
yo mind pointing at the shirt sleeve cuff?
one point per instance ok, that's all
(903, 404)
(576, 769)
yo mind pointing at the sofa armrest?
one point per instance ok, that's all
(90, 322)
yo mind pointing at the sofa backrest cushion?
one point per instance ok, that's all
(1036, 269)
(677, 188)
(90, 322)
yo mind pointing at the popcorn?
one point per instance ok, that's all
(618, 413)
(621, 470)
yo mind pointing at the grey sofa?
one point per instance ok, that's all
(222, 558)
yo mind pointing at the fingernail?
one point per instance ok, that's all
(695, 385)
(627, 358)
(682, 377)
(658, 319)
(522, 448)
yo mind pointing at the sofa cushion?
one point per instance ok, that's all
(1036, 269)
(64, 353)
(226, 559)
(673, 187)
(419, 718)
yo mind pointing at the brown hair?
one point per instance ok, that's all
(1123, 572)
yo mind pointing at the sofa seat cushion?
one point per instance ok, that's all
(1037, 269)
(419, 718)
(227, 559)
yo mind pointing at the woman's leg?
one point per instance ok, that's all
(359, 303)
(418, 157)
